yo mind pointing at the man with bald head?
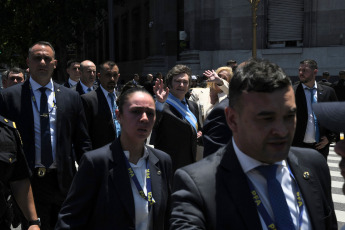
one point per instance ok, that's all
(51, 121)
(87, 77)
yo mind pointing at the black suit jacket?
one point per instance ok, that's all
(71, 132)
(216, 132)
(99, 118)
(66, 84)
(324, 94)
(176, 136)
(101, 196)
(214, 193)
(339, 87)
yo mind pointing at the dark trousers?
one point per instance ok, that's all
(48, 198)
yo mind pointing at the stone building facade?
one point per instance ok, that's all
(153, 35)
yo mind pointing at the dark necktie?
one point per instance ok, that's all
(281, 211)
(46, 147)
(89, 90)
(314, 100)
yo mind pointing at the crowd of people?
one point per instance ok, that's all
(90, 154)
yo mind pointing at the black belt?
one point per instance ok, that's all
(41, 171)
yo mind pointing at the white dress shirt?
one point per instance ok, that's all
(141, 205)
(249, 164)
(309, 136)
(37, 123)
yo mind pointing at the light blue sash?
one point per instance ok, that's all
(183, 110)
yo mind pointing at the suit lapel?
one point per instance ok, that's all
(156, 185)
(119, 176)
(320, 93)
(232, 177)
(309, 187)
(59, 109)
(26, 120)
(103, 104)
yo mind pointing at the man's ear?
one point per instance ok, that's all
(231, 118)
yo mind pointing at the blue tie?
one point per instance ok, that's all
(281, 211)
(46, 146)
(314, 100)
(89, 90)
(113, 108)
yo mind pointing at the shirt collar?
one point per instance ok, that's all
(306, 87)
(142, 159)
(106, 92)
(35, 86)
(85, 87)
(71, 82)
(248, 163)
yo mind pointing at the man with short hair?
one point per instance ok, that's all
(12, 76)
(87, 78)
(325, 79)
(148, 84)
(73, 70)
(51, 121)
(100, 106)
(136, 79)
(256, 181)
(309, 134)
(339, 86)
(176, 130)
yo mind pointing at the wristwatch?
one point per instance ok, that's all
(35, 222)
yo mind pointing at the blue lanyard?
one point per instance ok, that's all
(263, 211)
(132, 175)
(35, 103)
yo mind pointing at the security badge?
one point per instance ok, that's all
(41, 172)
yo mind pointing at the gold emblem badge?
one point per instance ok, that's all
(41, 172)
(306, 175)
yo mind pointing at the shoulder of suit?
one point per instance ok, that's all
(4, 121)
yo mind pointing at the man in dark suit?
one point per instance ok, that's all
(238, 186)
(73, 70)
(87, 78)
(51, 121)
(216, 132)
(100, 105)
(325, 78)
(177, 125)
(339, 86)
(309, 134)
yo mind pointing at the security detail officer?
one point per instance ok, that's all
(14, 176)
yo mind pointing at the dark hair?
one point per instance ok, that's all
(176, 70)
(257, 75)
(44, 43)
(111, 64)
(70, 62)
(311, 63)
(13, 70)
(126, 93)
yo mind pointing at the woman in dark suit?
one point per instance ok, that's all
(125, 184)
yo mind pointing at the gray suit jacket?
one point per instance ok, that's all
(214, 194)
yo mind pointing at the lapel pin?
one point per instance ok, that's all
(58, 90)
(159, 172)
(306, 175)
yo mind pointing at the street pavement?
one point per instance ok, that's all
(337, 184)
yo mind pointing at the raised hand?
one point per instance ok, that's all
(160, 92)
